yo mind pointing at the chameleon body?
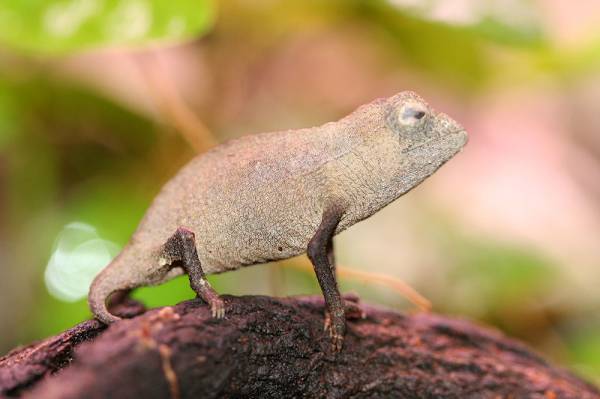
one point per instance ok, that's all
(276, 195)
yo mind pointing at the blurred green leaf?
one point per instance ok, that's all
(178, 289)
(517, 24)
(455, 53)
(585, 352)
(571, 64)
(58, 26)
(52, 316)
(501, 276)
(65, 136)
(114, 208)
(498, 31)
(167, 294)
(9, 125)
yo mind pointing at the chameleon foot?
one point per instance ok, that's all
(217, 308)
(353, 310)
(336, 331)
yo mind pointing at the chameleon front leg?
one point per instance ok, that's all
(320, 253)
(182, 246)
(353, 310)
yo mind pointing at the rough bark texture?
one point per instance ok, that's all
(275, 347)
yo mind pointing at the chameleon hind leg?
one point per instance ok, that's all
(182, 247)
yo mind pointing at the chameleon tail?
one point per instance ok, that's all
(135, 266)
(100, 290)
(109, 281)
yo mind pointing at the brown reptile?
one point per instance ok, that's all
(273, 196)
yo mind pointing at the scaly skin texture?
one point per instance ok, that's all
(265, 197)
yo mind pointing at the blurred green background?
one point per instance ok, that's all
(101, 101)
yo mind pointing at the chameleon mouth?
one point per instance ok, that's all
(435, 140)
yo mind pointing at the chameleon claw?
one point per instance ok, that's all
(217, 307)
(337, 341)
(335, 332)
(326, 322)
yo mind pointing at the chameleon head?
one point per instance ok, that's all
(425, 137)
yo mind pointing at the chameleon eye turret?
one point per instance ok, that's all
(411, 113)
(273, 196)
(407, 114)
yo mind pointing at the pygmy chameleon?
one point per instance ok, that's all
(276, 195)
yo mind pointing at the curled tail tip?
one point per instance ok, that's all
(97, 300)
(106, 317)
(101, 312)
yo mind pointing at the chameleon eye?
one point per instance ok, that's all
(411, 114)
